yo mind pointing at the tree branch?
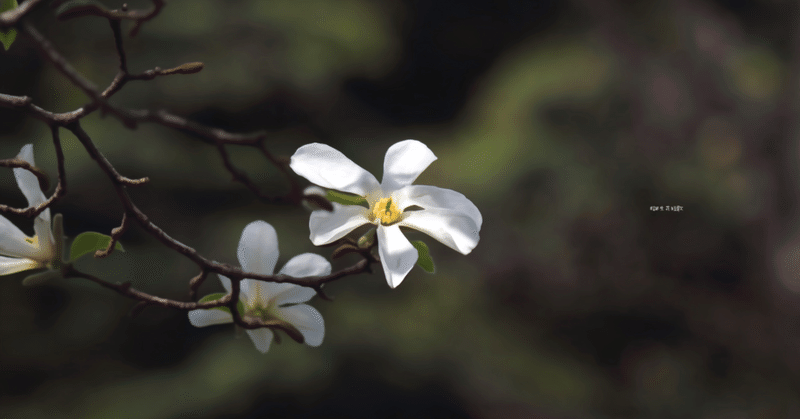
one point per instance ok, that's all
(11, 18)
(61, 187)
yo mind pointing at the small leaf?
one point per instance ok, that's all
(424, 261)
(345, 198)
(7, 38)
(217, 296)
(90, 241)
(41, 277)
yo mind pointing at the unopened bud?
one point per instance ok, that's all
(367, 240)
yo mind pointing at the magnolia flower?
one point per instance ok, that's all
(20, 252)
(445, 215)
(258, 253)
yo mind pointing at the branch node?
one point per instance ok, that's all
(115, 235)
(195, 283)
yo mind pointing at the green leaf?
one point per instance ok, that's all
(90, 242)
(7, 38)
(346, 198)
(424, 261)
(217, 296)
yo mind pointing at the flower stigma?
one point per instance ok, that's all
(386, 211)
(33, 240)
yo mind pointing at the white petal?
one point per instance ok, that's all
(28, 182)
(398, 256)
(12, 241)
(405, 161)
(300, 266)
(431, 197)
(244, 287)
(330, 226)
(307, 264)
(307, 320)
(226, 282)
(314, 190)
(327, 167)
(258, 248)
(208, 317)
(261, 338)
(454, 229)
(13, 265)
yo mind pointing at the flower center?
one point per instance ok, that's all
(261, 312)
(386, 211)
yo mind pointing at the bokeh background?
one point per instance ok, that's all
(564, 122)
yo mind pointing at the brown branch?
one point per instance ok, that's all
(11, 18)
(126, 290)
(138, 16)
(218, 137)
(196, 282)
(230, 300)
(116, 233)
(190, 253)
(49, 52)
(112, 173)
(44, 183)
(115, 28)
(61, 187)
(50, 118)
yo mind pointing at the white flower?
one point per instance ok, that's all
(258, 253)
(20, 252)
(446, 215)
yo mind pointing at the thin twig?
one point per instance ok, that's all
(11, 18)
(44, 183)
(116, 233)
(61, 187)
(190, 253)
(138, 16)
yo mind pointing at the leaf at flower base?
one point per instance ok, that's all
(425, 261)
(345, 198)
(217, 296)
(7, 38)
(90, 242)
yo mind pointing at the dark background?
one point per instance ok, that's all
(564, 122)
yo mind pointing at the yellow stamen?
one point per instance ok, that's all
(386, 211)
(33, 240)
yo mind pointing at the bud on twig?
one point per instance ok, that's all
(367, 240)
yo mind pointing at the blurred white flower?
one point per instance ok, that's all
(20, 252)
(445, 215)
(258, 253)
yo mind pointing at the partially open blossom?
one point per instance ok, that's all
(443, 214)
(20, 252)
(258, 253)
